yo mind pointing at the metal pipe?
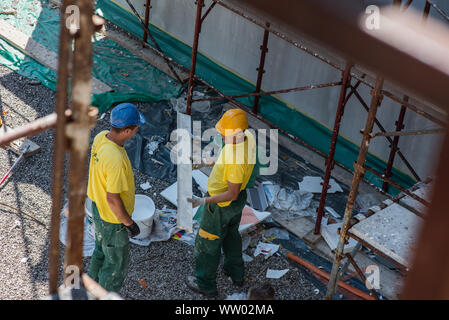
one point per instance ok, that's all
(394, 145)
(326, 276)
(415, 109)
(409, 2)
(199, 8)
(29, 129)
(426, 11)
(147, 19)
(330, 158)
(212, 5)
(358, 175)
(260, 69)
(396, 185)
(379, 125)
(78, 133)
(441, 12)
(265, 93)
(345, 266)
(60, 142)
(407, 133)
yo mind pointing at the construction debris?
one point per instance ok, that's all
(276, 274)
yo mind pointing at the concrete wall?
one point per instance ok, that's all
(234, 42)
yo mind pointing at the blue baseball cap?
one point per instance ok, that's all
(126, 114)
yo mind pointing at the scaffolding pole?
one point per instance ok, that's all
(379, 125)
(260, 69)
(196, 35)
(330, 162)
(60, 143)
(147, 19)
(394, 145)
(359, 172)
(78, 133)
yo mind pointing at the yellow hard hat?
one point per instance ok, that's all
(232, 122)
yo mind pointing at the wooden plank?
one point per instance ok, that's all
(299, 226)
(184, 172)
(39, 52)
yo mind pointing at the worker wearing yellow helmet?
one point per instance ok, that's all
(223, 204)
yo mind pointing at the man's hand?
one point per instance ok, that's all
(133, 230)
(207, 162)
(195, 201)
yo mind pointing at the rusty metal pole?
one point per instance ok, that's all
(394, 145)
(260, 69)
(409, 166)
(59, 145)
(426, 11)
(359, 172)
(147, 19)
(199, 8)
(346, 81)
(78, 133)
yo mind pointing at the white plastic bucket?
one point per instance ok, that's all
(143, 215)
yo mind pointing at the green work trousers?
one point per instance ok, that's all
(110, 259)
(219, 228)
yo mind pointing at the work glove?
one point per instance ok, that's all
(199, 166)
(196, 201)
(133, 230)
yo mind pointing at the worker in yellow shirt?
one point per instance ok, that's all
(112, 191)
(223, 206)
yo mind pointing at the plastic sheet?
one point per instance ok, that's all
(292, 200)
(131, 78)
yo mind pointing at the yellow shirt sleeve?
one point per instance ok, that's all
(234, 173)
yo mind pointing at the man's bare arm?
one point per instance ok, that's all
(230, 195)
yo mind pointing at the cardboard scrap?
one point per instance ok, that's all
(145, 186)
(267, 249)
(275, 274)
(313, 184)
(330, 235)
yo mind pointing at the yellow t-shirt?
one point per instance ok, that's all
(110, 171)
(235, 164)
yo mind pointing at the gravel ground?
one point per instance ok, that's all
(25, 206)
